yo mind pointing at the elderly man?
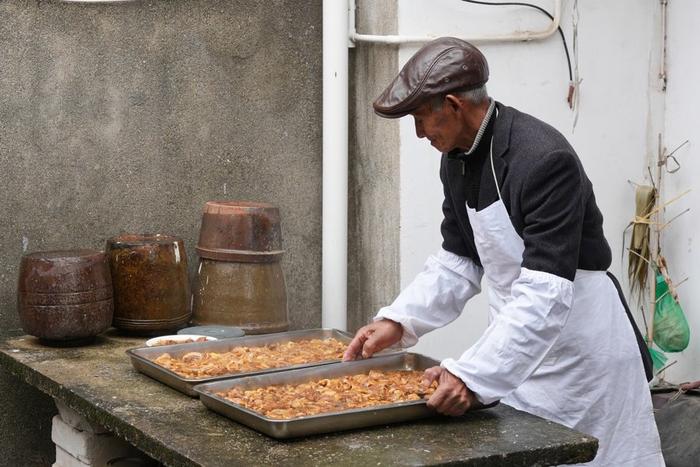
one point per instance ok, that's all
(519, 211)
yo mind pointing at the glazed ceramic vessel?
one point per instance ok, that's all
(65, 296)
(239, 281)
(251, 296)
(151, 287)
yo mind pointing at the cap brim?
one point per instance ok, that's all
(391, 114)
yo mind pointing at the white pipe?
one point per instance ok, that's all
(335, 165)
(399, 39)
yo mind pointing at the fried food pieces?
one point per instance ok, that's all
(333, 395)
(246, 359)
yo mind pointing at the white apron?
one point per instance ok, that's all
(592, 380)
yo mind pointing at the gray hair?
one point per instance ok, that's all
(475, 96)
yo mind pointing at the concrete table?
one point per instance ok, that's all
(99, 383)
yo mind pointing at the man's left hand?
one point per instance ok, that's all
(452, 396)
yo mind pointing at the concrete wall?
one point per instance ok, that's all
(128, 117)
(373, 250)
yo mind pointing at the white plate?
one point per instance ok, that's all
(177, 339)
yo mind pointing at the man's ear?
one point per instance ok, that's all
(454, 102)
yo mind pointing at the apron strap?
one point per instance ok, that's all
(493, 170)
(643, 349)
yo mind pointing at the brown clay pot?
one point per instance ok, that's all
(240, 231)
(240, 281)
(151, 289)
(252, 296)
(65, 296)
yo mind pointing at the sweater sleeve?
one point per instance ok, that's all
(527, 327)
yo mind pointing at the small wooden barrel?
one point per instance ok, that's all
(65, 296)
(151, 288)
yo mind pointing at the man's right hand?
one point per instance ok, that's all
(372, 338)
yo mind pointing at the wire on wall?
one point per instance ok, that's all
(572, 84)
(575, 85)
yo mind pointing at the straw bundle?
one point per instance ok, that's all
(640, 253)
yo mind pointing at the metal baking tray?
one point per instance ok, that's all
(142, 357)
(325, 422)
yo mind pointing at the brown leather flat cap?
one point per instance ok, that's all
(440, 66)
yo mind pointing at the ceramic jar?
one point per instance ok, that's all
(151, 287)
(65, 297)
(239, 281)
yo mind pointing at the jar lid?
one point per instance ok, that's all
(63, 271)
(220, 332)
(243, 231)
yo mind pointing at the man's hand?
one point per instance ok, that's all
(452, 396)
(373, 338)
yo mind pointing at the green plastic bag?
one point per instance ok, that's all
(658, 359)
(671, 330)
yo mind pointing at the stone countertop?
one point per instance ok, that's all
(98, 381)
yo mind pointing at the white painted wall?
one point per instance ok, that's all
(620, 115)
(682, 119)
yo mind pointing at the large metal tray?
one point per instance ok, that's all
(326, 422)
(142, 358)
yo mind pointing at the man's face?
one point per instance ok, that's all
(442, 127)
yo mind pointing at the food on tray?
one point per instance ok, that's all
(246, 359)
(334, 394)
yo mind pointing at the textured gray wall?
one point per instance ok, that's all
(373, 276)
(129, 117)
